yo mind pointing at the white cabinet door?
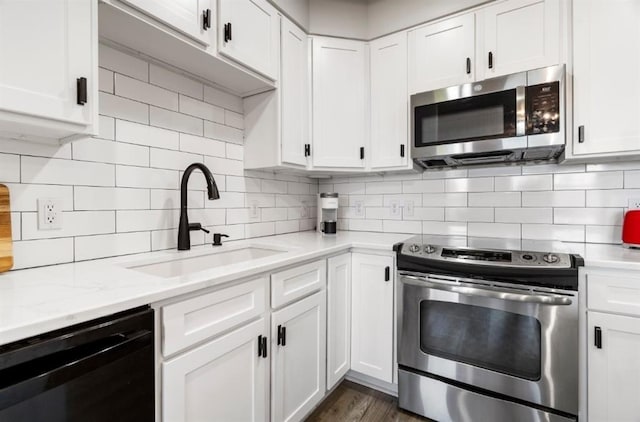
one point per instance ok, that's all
(338, 318)
(249, 33)
(372, 316)
(186, 16)
(442, 54)
(519, 35)
(223, 380)
(45, 46)
(389, 102)
(294, 87)
(298, 347)
(339, 102)
(606, 85)
(614, 369)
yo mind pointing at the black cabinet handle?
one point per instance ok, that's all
(81, 88)
(581, 134)
(307, 150)
(260, 345)
(282, 335)
(387, 273)
(597, 335)
(468, 65)
(402, 150)
(490, 60)
(206, 19)
(227, 32)
(362, 153)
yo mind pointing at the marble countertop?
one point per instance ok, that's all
(38, 300)
(34, 301)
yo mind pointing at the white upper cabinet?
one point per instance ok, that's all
(606, 80)
(519, 35)
(340, 87)
(193, 18)
(389, 102)
(48, 75)
(294, 86)
(442, 54)
(249, 33)
(372, 316)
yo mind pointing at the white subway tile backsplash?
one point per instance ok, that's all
(241, 216)
(107, 128)
(123, 63)
(11, 146)
(201, 109)
(596, 180)
(469, 214)
(145, 220)
(383, 187)
(524, 215)
(243, 184)
(273, 186)
(24, 197)
(444, 199)
(365, 225)
(444, 228)
(235, 152)
(495, 199)
(92, 247)
(259, 229)
(495, 171)
(224, 166)
(423, 214)
(223, 133)
(87, 198)
(201, 145)
(348, 189)
(105, 80)
(632, 179)
(223, 99)
(423, 186)
(289, 226)
(524, 183)
(145, 93)
(496, 230)
(38, 253)
(98, 150)
(173, 160)
(611, 197)
(66, 172)
(566, 233)
(141, 177)
(553, 199)
(604, 234)
(9, 168)
(480, 184)
(135, 133)
(175, 121)
(392, 226)
(274, 214)
(123, 108)
(552, 168)
(227, 200)
(588, 216)
(164, 199)
(175, 82)
(74, 223)
(233, 119)
(630, 165)
(16, 224)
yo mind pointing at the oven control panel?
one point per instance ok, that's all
(490, 257)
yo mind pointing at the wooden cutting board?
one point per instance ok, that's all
(6, 249)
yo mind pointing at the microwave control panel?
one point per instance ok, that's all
(543, 108)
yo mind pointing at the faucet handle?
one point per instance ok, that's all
(217, 239)
(197, 226)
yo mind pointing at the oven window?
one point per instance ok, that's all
(481, 117)
(497, 340)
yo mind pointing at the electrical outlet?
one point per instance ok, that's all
(634, 203)
(408, 208)
(359, 208)
(49, 214)
(253, 209)
(394, 207)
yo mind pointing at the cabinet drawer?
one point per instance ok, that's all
(193, 320)
(613, 292)
(292, 284)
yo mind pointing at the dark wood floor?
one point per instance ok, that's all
(352, 402)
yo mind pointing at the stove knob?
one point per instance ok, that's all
(429, 249)
(550, 258)
(528, 257)
(414, 248)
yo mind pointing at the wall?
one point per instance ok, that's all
(580, 203)
(387, 16)
(339, 18)
(297, 10)
(120, 191)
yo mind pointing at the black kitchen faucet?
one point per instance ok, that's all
(184, 228)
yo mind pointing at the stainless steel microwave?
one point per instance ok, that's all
(519, 117)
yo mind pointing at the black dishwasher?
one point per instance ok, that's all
(101, 370)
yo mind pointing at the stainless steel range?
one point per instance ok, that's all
(487, 335)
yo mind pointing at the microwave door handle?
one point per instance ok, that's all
(521, 111)
(491, 294)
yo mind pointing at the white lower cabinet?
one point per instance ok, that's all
(613, 367)
(298, 345)
(338, 318)
(372, 315)
(223, 380)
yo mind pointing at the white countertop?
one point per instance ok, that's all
(38, 300)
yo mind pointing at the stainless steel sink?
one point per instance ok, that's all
(183, 266)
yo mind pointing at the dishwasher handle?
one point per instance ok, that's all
(491, 294)
(32, 378)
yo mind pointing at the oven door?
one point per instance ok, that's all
(501, 338)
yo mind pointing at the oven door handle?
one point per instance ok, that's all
(492, 294)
